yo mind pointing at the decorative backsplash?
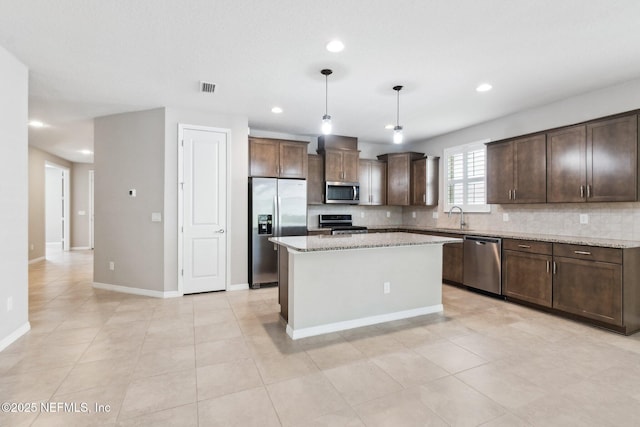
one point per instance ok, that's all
(605, 220)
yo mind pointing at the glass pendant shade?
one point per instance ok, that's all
(397, 135)
(326, 124)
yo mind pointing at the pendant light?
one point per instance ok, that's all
(397, 130)
(326, 119)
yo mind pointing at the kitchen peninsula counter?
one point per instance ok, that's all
(330, 283)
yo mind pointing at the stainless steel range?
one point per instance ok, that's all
(340, 224)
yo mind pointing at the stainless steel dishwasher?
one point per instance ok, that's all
(482, 265)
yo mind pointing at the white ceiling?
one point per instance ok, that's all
(94, 57)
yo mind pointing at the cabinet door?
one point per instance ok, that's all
(378, 188)
(588, 288)
(612, 160)
(315, 183)
(350, 166)
(500, 173)
(452, 262)
(530, 169)
(293, 160)
(419, 182)
(527, 277)
(566, 165)
(398, 172)
(263, 157)
(333, 165)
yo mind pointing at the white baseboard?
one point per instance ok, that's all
(80, 248)
(7, 341)
(364, 321)
(136, 291)
(31, 261)
(238, 287)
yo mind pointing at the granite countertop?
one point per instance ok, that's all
(572, 240)
(358, 241)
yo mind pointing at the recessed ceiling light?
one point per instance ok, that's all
(335, 46)
(36, 124)
(276, 110)
(484, 87)
(86, 152)
(390, 127)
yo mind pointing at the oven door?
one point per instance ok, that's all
(342, 192)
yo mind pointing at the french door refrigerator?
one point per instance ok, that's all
(277, 207)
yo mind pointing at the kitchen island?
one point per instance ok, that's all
(337, 282)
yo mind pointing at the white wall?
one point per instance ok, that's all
(37, 161)
(238, 152)
(607, 220)
(53, 205)
(129, 154)
(14, 201)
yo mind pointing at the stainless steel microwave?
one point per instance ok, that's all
(342, 192)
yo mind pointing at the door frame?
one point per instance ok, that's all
(92, 180)
(66, 205)
(181, 128)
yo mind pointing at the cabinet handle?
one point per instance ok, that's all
(524, 246)
(588, 191)
(424, 198)
(582, 253)
(555, 267)
(514, 194)
(548, 266)
(581, 191)
(509, 194)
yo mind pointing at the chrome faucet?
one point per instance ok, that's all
(462, 223)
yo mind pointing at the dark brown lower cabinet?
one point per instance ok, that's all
(452, 262)
(588, 288)
(527, 277)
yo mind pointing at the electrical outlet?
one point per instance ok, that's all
(584, 218)
(9, 304)
(505, 217)
(31, 247)
(386, 287)
(435, 215)
(112, 265)
(388, 214)
(362, 214)
(413, 214)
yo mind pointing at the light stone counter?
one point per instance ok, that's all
(358, 241)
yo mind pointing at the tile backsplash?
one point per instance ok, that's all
(604, 220)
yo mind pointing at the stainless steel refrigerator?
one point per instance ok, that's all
(277, 207)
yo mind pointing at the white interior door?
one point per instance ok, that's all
(204, 201)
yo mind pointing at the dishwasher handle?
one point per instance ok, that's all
(479, 240)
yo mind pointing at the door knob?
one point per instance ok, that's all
(220, 231)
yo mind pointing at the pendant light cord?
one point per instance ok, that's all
(398, 109)
(326, 94)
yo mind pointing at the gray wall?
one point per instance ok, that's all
(53, 205)
(80, 224)
(129, 154)
(140, 150)
(613, 220)
(14, 201)
(36, 238)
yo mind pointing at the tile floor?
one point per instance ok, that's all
(223, 359)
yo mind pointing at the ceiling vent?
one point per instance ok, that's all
(207, 87)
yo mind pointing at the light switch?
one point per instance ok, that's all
(132, 192)
(156, 216)
(81, 213)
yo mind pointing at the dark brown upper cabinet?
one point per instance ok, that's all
(341, 165)
(274, 158)
(516, 171)
(399, 177)
(596, 162)
(373, 182)
(424, 181)
(315, 180)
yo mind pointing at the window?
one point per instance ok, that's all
(464, 177)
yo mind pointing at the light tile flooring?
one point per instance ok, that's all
(224, 359)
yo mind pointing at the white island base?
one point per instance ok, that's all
(323, 291)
